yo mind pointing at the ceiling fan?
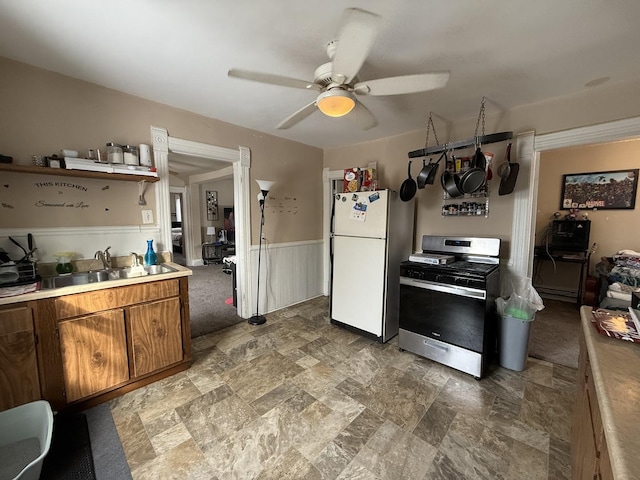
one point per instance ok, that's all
(337, 80)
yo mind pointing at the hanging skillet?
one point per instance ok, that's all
(428, 173)
(474, 179)
(508, 174)
(434, 169)
(408, 187)
(451, 182)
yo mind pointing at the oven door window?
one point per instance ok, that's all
(447, 317)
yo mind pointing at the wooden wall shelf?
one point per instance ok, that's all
(6, 167)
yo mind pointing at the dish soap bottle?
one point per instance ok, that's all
(150, 257)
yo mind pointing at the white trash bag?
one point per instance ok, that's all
(519, 299)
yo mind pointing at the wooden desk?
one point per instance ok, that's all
(581, 258)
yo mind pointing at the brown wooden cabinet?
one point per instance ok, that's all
(156, 335)
(113, 337)
(19, 381)
(590, 455)
(82, 349)
(94, 353)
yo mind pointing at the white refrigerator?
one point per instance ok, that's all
(372, 232)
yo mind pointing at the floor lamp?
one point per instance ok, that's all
(265, 186)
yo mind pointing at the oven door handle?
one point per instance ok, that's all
(438, 287)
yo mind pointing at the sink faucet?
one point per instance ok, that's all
(135, 262)
(104, 257)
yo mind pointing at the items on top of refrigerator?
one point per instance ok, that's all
(359, 179)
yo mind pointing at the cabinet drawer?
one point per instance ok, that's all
(84, 303)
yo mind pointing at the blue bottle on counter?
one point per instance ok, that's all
(150, 257)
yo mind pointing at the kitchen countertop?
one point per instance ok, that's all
(89, 287)
(616, 373)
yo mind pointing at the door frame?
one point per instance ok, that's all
(185, 206)
(240, 160)
(529, 146)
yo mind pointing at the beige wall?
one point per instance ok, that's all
(593, 106)
(391, 155)
(612, 230)
(44, 112)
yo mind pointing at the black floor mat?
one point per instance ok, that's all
(69, 457)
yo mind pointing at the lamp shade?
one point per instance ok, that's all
(265, 185)
(335, 102)
(211, 231)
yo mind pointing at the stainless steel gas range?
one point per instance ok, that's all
(447, 301)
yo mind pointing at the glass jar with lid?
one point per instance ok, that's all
(130, 155)
(114, 153)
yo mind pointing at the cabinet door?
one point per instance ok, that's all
(156, 335)
(605, 471)
(94, 353)
(583, 458)
(19, 381)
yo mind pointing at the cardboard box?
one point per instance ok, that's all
(369, 179)
(351, 180)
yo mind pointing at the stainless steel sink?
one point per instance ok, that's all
(130, 272)
(94, 276)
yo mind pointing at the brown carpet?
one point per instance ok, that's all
(554, 333)
(209, 287)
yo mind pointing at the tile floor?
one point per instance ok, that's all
(299, 398)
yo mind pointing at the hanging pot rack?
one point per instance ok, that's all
(469, 142)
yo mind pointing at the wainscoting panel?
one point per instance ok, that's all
(290, 273)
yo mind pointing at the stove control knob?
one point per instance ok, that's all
(463, 282)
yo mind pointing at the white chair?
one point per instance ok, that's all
(25, 438)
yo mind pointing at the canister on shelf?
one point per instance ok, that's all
(145, 155)
(114, 153)
(130, 155)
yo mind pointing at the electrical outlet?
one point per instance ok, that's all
(263, 236)
(147, 216)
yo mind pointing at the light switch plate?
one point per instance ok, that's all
(147, 216)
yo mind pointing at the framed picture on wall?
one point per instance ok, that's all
(600, 190)
(212, 205)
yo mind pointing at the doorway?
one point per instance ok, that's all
(177, 199)
(528, 151)
(239, 161)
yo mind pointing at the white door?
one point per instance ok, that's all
(351, 219)
(358, 288)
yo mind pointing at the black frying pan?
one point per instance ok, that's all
(408, 188)
(451, 183)
(508, 174)
(428, 173)
(474, 179)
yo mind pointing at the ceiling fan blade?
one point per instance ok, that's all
(357, 34)
(272, 79)
(420, 82)
(301, 114)
(363, 117)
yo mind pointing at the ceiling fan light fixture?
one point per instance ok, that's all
(336, 102)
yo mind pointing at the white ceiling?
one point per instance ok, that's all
(178, 52)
